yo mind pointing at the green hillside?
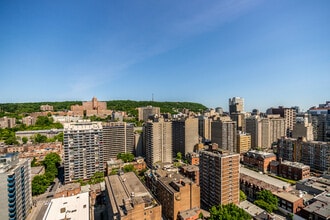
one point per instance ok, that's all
(119, 105)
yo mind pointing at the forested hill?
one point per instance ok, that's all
(165, 107)
(119, 105)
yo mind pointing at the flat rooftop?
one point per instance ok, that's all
(125, 191)
(264, 178)
(72, 207)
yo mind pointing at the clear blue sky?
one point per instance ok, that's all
(271, 53)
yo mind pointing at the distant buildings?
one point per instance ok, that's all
(46, 108)
(118, 137)
(129, 199)
(219, 177)
(91, 108)
(289, 115)
(6, 122)
(15, 187)
(83, 150)
(236, 105)
(145, 112)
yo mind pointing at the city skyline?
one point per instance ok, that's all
(270, 53)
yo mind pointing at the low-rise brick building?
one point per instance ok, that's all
(258, 159)
(290, 170)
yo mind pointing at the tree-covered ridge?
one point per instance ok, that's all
(119, 105)
(165, 107)
(30, 107)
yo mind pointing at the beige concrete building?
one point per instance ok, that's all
(236, 105)
(271, 128)
(158, 141)
(219, 177)
(146, 112)
(83, 150)
(118, 137)
(185, 135)
(243, 142)
(46, 108)
(224, 134)
(29, 120)
(6, 122)
(289, 115)
(252, 128)
(239, 118)
(303, 129)
(204, 127)
(130, 200)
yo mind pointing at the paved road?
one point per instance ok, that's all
(42, 202)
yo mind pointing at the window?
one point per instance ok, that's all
(84, 206)
(62, 210)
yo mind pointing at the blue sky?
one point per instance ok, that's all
(268, 52)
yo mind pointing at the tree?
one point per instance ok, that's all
(11, 141)
(128, 168)
(228, 212)
(266, 200)
(25, 140)
(242, 196)
(34, 162)
(38, 138)
(126, 157)
(179, 156)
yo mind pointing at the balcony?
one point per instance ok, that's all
(13, 204)
(9, 179)
(12, 215)
(11, 210)
(11, 184)
(11, 195)
(11, 189)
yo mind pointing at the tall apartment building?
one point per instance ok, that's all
(176, 193)
(271, 128)
(303, 129)
(315, 154)
(158, 141)
(83, 150)
(118, 137)
(15, 187)
(243, 142)
(145, 112)
(204, 128)
(321, 121)
(236, 105)
(185, 135)
(219, 178)
(224, 134)
(252, 127)
(289, 115)
(288, 149)
(239, 118)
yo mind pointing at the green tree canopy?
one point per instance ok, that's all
(266, 200)
(228, 212)
(179, 156)
(126, 157)
(242, 196)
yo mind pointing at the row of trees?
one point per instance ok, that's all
(40, 183)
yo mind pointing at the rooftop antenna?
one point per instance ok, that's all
(152, 97)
